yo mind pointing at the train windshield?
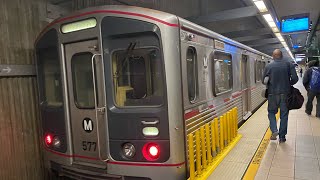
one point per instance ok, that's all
(137, 77)
(49, 70)
(136, 61)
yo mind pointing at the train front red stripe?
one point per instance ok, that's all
(144, 164)
(71, 156)
(110, 12)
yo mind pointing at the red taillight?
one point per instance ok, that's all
(48, 139)
(154, 151)
(151, 151)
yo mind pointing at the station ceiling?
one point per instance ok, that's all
(237, 19)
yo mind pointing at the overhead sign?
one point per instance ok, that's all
(295, 24)
(17, 70)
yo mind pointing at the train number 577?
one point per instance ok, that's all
(89, 146)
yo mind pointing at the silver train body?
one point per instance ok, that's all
(120, 88)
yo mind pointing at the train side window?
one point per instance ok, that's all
(50, 65)
(82, 80)
(49, 70)
(222, 72)
(258, 71)
(192, 77)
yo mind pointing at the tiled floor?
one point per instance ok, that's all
(299, 157)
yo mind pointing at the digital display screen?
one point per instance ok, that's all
(295, 24)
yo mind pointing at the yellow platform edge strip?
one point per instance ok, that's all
(218, 159)
(258, 156)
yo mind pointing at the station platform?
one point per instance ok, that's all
(257, 157)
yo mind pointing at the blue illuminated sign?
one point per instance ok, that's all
(295, 24)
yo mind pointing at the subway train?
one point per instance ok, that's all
(121, 87)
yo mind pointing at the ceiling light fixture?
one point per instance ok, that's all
(260, 5)
(268, 17)
(275, 29)
(271, 22)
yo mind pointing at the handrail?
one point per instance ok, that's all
(95, 100)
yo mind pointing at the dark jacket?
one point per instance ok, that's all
(306, 78)
(282, 75)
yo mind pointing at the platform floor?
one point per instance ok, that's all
(236, 162)
(298, 158)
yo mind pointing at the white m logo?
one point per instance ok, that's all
(87, 125)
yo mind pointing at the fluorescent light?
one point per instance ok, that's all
(279, 36)
(261, 6)
(287, 48)
(268, 17)
(272, 24)
(275, 29)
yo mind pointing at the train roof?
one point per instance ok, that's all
(209, 33)
(155, 15)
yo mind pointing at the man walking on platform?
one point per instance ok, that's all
(311, 81)
(279, 76)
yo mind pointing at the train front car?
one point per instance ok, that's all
(110, 95)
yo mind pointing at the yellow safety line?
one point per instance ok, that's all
(258, 156)
(218, 159)
(255, 163)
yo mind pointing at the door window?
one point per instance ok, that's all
(258, 71)
(82, 80)
(192, 73)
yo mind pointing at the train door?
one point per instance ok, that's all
(86, 102)
(245, 79)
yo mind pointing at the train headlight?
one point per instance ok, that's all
(56, 142)
(128, 150)
(150, 131)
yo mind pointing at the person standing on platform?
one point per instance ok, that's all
(280, 75)
(311, 81)
(301, 71)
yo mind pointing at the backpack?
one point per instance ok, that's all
(315, 79)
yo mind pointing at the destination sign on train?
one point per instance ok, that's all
(79, 25)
